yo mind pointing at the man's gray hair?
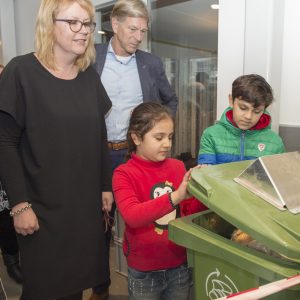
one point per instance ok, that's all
(130, 8)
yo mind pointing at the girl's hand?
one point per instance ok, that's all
(26, 222)
(181, 193)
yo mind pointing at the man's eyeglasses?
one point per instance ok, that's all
(76, 25)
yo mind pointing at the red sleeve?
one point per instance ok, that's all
(191, 206)
(134, 212)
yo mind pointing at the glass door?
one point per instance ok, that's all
(103, 32)
(184, 34)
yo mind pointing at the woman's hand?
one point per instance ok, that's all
(107, 201)
(25, 222)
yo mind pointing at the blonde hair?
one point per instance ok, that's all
(130, 8)
(44, 32)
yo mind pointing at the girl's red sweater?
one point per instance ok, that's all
(140, 189)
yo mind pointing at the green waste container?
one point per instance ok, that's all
(221, 266)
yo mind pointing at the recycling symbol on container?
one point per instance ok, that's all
(218, 285)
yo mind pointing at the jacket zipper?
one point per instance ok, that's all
(243, 135)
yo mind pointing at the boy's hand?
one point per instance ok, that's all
(201, 166)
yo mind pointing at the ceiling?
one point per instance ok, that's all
(191, 23)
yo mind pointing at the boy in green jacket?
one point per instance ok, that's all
(244, 131)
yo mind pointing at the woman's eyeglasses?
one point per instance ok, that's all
(76, 25)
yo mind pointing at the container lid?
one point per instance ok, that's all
(275, 178)
(216, 188)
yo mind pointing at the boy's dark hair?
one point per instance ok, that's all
(143, 119)
(252, 88)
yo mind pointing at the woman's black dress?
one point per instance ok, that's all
(53, 153)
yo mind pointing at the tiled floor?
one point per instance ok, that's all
(118, 288)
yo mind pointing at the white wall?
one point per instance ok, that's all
(230, 48)
(25, 16)
(290, 83)
(7, 25)
(261, 37)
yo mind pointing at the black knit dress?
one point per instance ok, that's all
(53, 153)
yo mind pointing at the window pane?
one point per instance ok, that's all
(184, 34)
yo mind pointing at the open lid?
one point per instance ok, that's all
(216, 188)
(276, 179)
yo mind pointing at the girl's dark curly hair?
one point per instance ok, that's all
(143, 119)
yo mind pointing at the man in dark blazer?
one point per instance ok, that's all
(130, 77)
(154, 83)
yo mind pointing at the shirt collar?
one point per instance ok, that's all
(111, 50)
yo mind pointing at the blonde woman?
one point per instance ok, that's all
(53, 154)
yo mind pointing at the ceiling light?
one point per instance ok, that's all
(215, 6)
(101, 32)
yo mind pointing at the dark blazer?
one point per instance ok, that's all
(154, 83)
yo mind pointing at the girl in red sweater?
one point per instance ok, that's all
(149, 190)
